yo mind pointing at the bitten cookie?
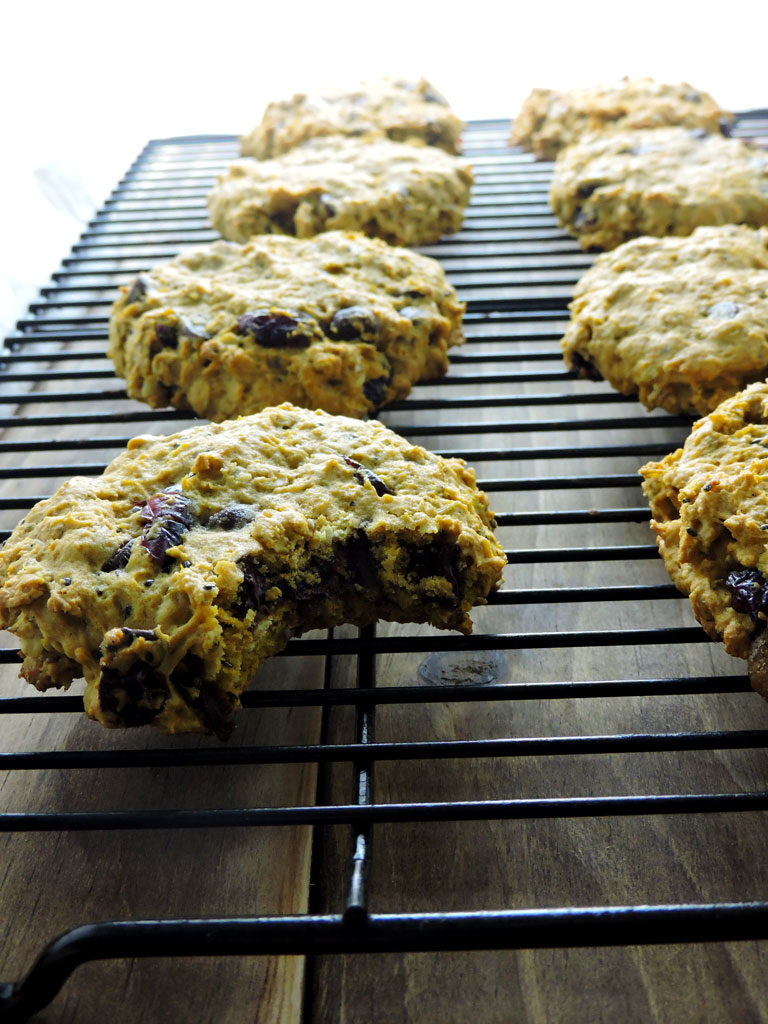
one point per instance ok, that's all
(400, 110)
(406, 194)
(169, 579)
(343, 322)
(680, 322)
(709, 507)
(665, 181)
(549, 121)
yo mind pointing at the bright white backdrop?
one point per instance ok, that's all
(85, 84)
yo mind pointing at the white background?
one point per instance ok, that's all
(85, 85)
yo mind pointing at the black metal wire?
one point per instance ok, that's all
(515, 269)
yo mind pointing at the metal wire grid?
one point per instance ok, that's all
(515, 269)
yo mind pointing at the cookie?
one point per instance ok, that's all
(549, 121)
(680, 322)
(664, 181)
(403, 193)
(168, 580)
(397, 109)
(341, 322)
(709, 503)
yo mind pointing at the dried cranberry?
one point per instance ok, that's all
(275, 330)
(352, 322)
(167, 517)
(231, 517)
(748, 590)
(118, 559)
(362, 474)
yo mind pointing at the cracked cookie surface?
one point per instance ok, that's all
(169, 579)
(549, 120)
(610, 187)
(397, 109)
(405, 193)
(342, 322)
(709, 508)
(680, 322)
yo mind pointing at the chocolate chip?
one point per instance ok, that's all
(582, 221)
(584, 367)
(375, 390)
(725, 127)
(139, 289)
(275, 330)
(135, 697)
(231, 517)
(693, 97)
(362, 474)
(211, 704)
(585, 190)
(328, 205)
(748, 591)
(413, 313)
(128, 635)
(431, 95)
(353, 322)
(167, 334)
(118, 559)
(192, 331)
(725, 310)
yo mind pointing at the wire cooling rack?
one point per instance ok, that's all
(586, 623)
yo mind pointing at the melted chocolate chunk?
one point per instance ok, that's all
(353, 322)
(362, 474)
(190, 330)
(438, 558)
(375, 390)
(231, 517)
(250, 593)
(354, 557)
(275, 330)
(134, 697)
(214, 709)
(749, 592)
(582, 221)
(725, 127)
(166, 516)
(431, 95)
(118, 559)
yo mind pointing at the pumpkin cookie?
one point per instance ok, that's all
(406, 194)
(680, 322)
(169, 579)
(342, 322)
(399, 110)
(549, 121)
(709, 507)
(610, 187)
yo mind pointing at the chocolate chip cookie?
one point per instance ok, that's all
(613, 186)
(394, 108)
(342, 322)
(709, 503)
(549, 120)
(680, 322)
(406, 194)
(169, 579)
